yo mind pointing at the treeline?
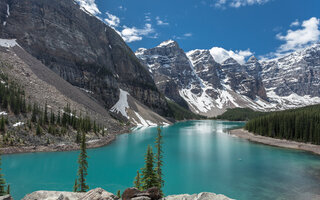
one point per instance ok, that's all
(180, 113)
(240, 114)
(40, 119)
(12, 97)
(302, 125)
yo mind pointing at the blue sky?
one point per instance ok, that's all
(259, 27)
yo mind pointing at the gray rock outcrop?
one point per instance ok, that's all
(6, 197)
(95, 194)
(201, 196)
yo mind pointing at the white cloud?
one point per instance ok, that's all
(296, 39)
(161, 22)
(184, 36)
(238, 3)
(187, 34)
(147, 17)
(219, 54)
(112, 20)
(89, 5)
(135, 34)
(122, 8)
(308, 33)
(295, 23)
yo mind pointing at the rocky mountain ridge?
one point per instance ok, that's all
(82, 50)
(209, 87)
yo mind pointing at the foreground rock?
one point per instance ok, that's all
(133, 193)
(200, 196)
(6, 197)
(95, 194)
(128, 194)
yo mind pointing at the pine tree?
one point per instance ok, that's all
(2, 182)
(8, 189)
(38, 131)
(78, 138)
(75, 186)
(136, 182)
(2, 124)
(83, 165)
(45, 118)
(59, 118)
(149, 177)
(159, 161)
(52, 117)
(34, 113)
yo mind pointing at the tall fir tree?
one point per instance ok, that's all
(2, 182)
(149, 177)
(159, 161)
(83, 165)
(2, 124)
(45, 118)
(136, 182)
(75, 186)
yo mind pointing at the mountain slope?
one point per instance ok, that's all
(209, 87)
(80, 48)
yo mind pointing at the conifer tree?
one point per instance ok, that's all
(149, 177)
(2, 124)
(38, 131)
(136, 182)
(45, 118)
(75, 186)
(83, 165)
(52, 117)
(8, 189)
(159, 161)
(34, 113)
(2, 182)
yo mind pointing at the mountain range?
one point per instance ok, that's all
(90, 57)
(196, 81)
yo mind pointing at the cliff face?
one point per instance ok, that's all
(80, 48)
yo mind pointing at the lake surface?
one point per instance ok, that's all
(199, 156)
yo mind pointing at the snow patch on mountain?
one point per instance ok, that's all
(293, 100)
(166, 43)
(122, 105)
(8, 43)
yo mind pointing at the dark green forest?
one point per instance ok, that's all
(240, 114)
(302, 124)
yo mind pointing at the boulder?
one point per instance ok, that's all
(6, 197)
(133, 193)
(154, 193)
(200, 196)
(95, 194)
(98, 194)
(130, 193)
(141, 198)
(53, 195)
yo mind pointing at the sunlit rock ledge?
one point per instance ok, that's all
(101, 194)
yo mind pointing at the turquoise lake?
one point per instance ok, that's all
(198, 156)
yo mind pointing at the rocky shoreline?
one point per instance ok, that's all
(64, 146)
(241, 133)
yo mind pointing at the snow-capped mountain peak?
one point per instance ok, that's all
(210, 81)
